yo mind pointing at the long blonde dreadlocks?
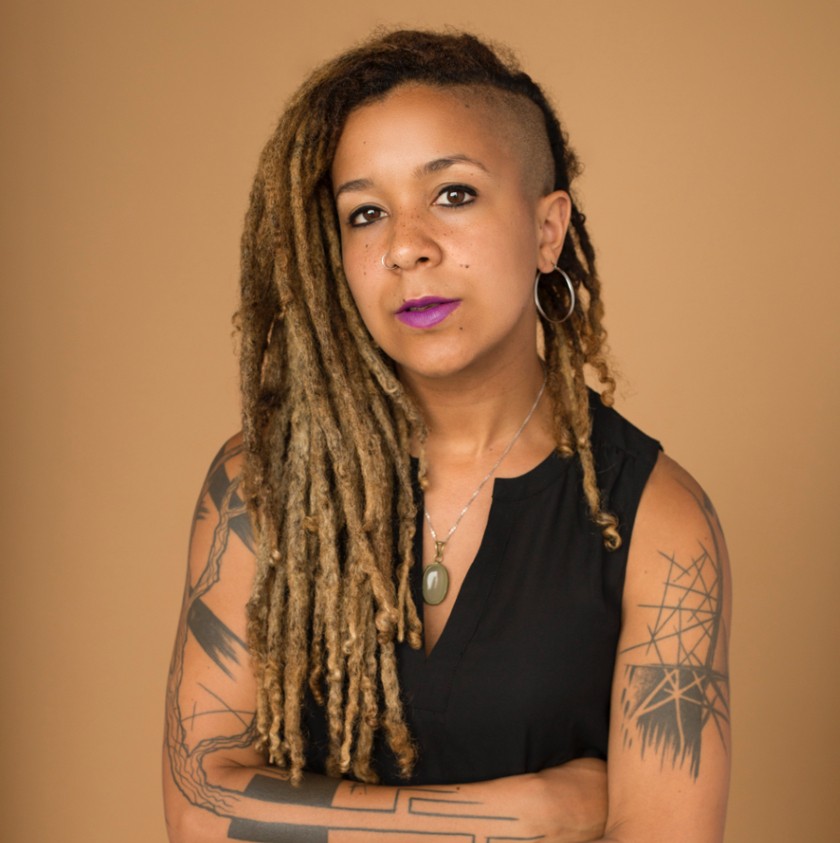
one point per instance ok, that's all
(327, 424)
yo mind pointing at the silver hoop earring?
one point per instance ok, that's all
(572, 299)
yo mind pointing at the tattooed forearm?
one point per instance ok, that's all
(328, 810)
(678, 680)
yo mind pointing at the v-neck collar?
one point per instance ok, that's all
(432, 674)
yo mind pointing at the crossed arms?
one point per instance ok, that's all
(669, 737)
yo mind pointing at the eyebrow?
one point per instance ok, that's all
(435, 166)
(442, 163)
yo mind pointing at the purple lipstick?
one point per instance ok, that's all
(426, 312)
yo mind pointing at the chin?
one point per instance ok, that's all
(443, 367)
(429, 369)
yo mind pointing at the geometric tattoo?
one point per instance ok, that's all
(682, 683)
(448, 816)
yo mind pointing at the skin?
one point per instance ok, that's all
(423, 183)
(474, 230)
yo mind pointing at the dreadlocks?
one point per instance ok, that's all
(327, 424)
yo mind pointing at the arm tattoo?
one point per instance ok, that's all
(322, 805)
(448, 817)
(215, 638)
(186, 758)
(682, 683)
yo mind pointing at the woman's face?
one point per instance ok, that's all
(442, 231)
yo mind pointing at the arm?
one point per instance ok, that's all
(217, 787)
(668, 768)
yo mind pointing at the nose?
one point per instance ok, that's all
(411, 243)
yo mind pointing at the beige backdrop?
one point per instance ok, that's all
(130, 132)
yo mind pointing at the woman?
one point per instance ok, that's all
(419, 302)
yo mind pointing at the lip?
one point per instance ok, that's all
(434, 310)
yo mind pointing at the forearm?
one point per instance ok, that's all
(254, 804)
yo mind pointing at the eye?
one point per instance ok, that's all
(365, 215)
(456, 195)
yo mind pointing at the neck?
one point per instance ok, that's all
(469, 416)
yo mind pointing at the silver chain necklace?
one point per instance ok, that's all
(436, 575)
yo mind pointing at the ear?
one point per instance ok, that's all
(553, 214)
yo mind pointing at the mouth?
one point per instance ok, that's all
(426, 312)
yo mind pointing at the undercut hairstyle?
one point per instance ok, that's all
(327, 424)
(519, 123)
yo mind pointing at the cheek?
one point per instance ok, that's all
(355, 256)
(358, 271)
(512, 253)
(361, 279)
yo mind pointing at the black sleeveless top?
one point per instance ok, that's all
(520, 677)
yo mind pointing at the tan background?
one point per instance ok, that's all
(130, 132)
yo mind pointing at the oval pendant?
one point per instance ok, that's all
(435, 583)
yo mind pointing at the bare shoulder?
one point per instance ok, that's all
(229, 459)
(221, 561)
(678, 573)
(674, 509)
(220, 498)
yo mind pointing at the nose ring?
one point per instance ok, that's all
(390, 267)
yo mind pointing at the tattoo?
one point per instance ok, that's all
(219, 488)
(450, 818)
(186, 761)
(318, 793)
(668, 700)
(214, 636)
(216, 487)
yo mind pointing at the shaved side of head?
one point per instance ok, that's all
(519, 123)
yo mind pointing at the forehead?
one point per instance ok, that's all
(422, 120)
(506, 132)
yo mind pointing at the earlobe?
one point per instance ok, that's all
(554, 212)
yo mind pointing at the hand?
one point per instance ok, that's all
(572, 801)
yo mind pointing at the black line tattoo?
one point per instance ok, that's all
(215, 638)
(668, 700)
(321, 793)
(201, 511)
(240, 523)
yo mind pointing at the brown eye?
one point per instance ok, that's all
(365, 216)
(456, 196)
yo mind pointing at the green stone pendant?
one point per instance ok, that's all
(435, 583)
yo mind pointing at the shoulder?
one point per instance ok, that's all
(220, 500)
(226, 469)
(677, 541)
(231, 456)
(675, 508)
